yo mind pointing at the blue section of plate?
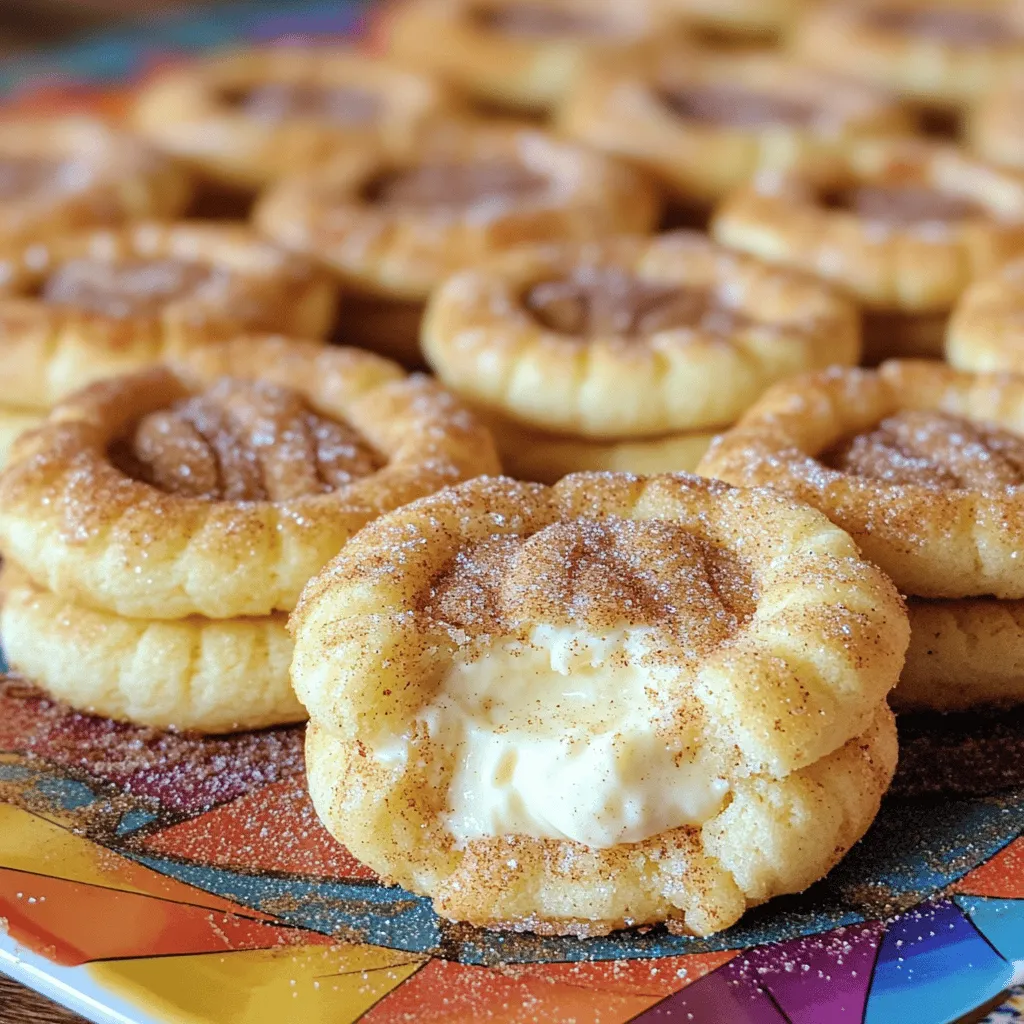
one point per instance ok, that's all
(1000, 921)
(119, 54)
(933, 965)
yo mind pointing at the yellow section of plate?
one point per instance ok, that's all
(312, 984)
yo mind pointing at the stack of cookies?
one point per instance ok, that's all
(627, 354)
(202, 499)
(571, 699)
(612, 702)
(923, 465)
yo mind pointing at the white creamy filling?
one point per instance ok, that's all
(554, 738)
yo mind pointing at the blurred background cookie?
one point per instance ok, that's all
(392, 227)
(244, 119)
(703, 123)
(940, 55)
(62, 174)
(521, 55)
(646, 343)
(904, 226)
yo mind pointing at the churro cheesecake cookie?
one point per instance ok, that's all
(703, 123)
(614, 702)
(923, 465)
(247, 118)
(522, 54)
(630, 338)
(161, 524)
(903, 226)
(66, 174)
(392, 228)
(107, 302)
(945, 56)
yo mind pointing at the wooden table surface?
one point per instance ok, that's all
(19, 1006)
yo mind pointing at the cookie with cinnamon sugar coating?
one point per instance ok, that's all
(99, 303)
(903, 226)
(61, 175)
(392, 227)
(922, 464)
(158, 526)
(613, 702)
(628, 337)
(104, 533)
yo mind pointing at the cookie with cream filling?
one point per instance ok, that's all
(519, 695)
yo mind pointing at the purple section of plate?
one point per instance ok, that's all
(821, 979)
(728, 994)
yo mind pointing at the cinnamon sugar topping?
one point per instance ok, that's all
(931, 449)
(601, 575)
(904, 205)
(962, 25)
(593, 301)
(539, 19)
(137, 287)
(735, 106)
(244, 441)
(278, 101)
(451, 186)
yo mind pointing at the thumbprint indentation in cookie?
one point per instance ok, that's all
(936, 450)
(539, 19)
(455, 186)
(272, 102)
(738, 107)
(904, 205)
(601, 301)
(599, 575)
(244, 441)
(129, 288)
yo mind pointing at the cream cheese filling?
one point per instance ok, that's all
(554, 738)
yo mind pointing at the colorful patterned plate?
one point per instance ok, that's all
(153, 878)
